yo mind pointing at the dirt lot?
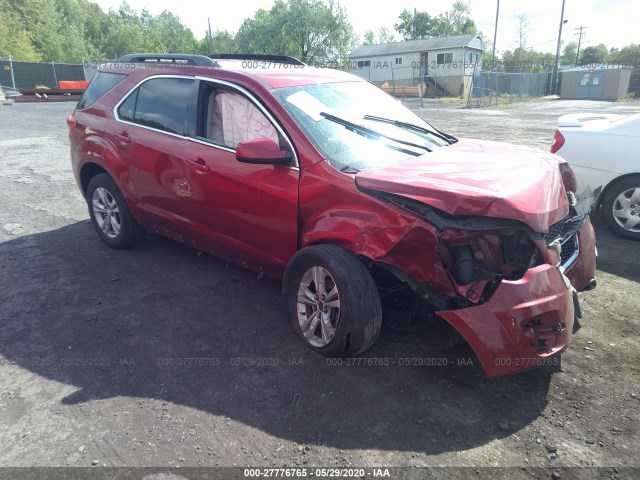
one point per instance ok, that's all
(95, 347)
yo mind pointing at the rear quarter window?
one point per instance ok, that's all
(101, 84)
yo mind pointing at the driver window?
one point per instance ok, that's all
(231, 118)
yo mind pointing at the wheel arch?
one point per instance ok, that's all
(612, 183)
(87, 172)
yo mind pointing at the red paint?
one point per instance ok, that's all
(504, 332)
(475, 177)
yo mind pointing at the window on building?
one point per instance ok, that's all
(364, 63)
(398, 60)
(444, 58)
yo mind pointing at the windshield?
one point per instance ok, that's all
(356, 126)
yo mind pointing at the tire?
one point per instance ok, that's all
(110, 214)
(350, 314)
(621, 207)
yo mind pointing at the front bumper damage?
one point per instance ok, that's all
(525, 324)
(514, 319)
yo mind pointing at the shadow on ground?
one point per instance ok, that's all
(66, 299)
(617, 256)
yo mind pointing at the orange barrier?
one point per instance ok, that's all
(73, 85)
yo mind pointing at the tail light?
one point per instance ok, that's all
(568, 177)
(558, 142)
(71, 122)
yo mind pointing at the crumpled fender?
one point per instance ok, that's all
(524, 324)
(336, 212)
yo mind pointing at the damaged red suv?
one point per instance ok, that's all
(317, 178)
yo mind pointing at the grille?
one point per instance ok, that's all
(566, 231)
(569, 248)
(564, 228)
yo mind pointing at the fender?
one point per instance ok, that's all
(337, 212)
(97, 150)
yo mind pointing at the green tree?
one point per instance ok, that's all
(77, 30)
(569, 54)
(223, 42)
(527, 61)
(629, 55)
(385, 36)
(166, 33)
(423, 24)
(594, 55)
(15, 40)
(369, 38)
(124, 32)
(456, 21)
(311, 30)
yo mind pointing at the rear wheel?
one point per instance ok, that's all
(110, 214)
(621, 207)
(332, 300)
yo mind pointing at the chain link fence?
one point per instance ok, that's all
(25, 75)
(491, 88)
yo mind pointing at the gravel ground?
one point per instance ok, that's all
(143, 358)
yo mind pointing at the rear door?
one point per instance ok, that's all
(152, 128)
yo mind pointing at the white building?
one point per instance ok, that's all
(444, 64)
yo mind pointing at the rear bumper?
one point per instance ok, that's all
(525, 324)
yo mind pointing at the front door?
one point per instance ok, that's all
(250, 211)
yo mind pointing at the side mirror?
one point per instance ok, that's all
(262, 151)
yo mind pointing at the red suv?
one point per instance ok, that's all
(318, 178)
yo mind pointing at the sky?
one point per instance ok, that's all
(612, 22)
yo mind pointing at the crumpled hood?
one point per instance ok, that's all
(473, 177)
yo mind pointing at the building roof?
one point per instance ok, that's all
(594, 68)
(421, 45)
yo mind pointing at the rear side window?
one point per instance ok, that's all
(101, 84)
(160, 103)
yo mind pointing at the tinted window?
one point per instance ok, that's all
(128, 107)
(101, 84)
(163, 103)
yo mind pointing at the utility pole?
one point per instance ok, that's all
(413, 33)
(579, 35)
(495, 36)
(210, 36)
(554, 78)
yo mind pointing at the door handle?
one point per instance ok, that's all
(199, 165)
(123, 137)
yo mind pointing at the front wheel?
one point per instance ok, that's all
(332, 301)
(110, 214)
(621, 207)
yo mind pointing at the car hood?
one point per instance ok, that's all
(480, 178)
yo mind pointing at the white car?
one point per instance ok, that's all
(604, 150)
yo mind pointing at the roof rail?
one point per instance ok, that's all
(258, 57)
(168, 59)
